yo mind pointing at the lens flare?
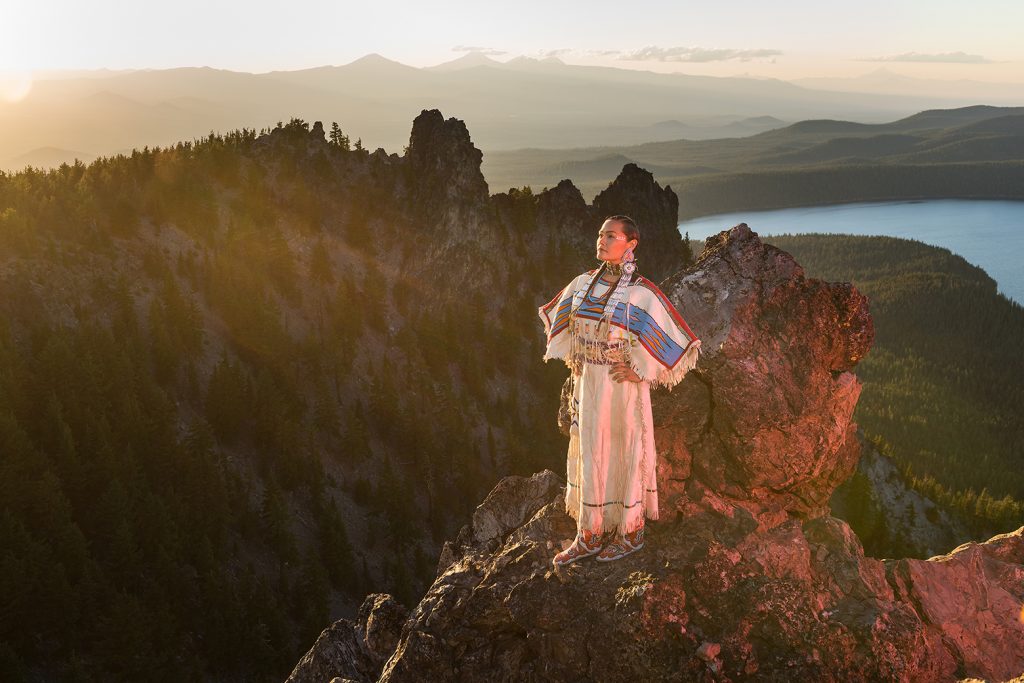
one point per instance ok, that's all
(15, 85)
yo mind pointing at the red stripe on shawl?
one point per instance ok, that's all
(547, 307)
(668, 304)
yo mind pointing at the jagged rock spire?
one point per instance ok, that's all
(443, 168)
(656, 210)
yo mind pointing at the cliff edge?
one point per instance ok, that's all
(746, 576)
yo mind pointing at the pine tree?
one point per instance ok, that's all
(336, 548)
(274, 515)
(338, 138)
(228, 399)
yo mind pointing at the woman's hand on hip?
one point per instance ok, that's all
(621, 372)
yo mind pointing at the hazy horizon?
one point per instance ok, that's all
(935, 40)
(866, 76)
(81, 80)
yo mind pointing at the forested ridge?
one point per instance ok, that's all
(944, 381)
(226, 415)
(836, 183)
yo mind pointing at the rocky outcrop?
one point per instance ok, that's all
(656, 210)
(974, 598)
(567, 226)
(354, 650)
(563, 217)
(563, 201)
(443, 167)
(767, 423)
(745, 576)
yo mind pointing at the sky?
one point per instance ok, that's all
(941, 39)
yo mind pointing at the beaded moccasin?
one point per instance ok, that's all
(587, 543)
(622, 546)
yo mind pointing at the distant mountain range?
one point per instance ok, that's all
(885, 81)
(975, 134)
(520, 103)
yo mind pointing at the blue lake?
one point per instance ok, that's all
(987, 233)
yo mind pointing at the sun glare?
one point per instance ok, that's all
(15, 85)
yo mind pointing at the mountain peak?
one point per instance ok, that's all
(467, 61)
(376, 60)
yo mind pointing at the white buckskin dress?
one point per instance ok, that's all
(611, 470)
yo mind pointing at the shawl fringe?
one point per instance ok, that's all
(670, 378)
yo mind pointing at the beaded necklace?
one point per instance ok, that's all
(612, 298)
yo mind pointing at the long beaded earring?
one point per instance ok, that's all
(628, 262)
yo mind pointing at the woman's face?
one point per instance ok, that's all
(612, 242)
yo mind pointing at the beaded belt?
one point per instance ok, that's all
(600, 352)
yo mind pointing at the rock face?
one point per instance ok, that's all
(745, 576)
(656, 211)
(767, 423)
(354, 650)
(567, 225)
(443, 166)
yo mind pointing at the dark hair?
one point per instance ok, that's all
(629, 227)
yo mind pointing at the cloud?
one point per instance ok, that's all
(693, 54)
(669, 54)
(557, 52)
(489, 51)
(942, 57)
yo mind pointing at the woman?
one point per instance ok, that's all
(619, 335)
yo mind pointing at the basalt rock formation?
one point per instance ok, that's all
(453, 178)
(745, 576)
(656, 210)
(472, 237)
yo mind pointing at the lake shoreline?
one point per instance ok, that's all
(686, 218)
(988, 233)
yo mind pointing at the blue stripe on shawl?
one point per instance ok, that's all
(650, 334)
(561, 320)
